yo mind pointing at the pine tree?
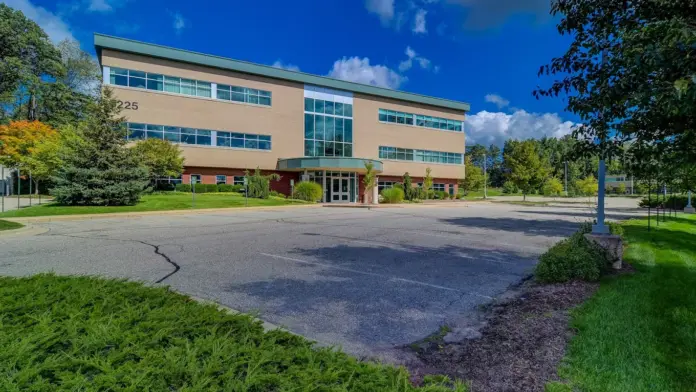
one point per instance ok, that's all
(102, 170)
(408, 186)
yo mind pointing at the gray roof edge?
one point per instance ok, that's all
(166, 52)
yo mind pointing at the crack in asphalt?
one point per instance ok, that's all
(156, 248)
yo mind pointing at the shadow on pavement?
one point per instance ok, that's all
(556, 228)
(586, 216)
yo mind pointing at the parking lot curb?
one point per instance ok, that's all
(108, 215)
(265, 324)
(23, 231)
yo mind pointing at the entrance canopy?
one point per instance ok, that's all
(328, 163)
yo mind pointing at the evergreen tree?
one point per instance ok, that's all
(103, 171)
(408, 186)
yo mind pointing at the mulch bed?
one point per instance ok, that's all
(516, 346)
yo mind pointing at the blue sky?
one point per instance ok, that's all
(485, 52)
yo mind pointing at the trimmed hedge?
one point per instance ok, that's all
(392, 195)
(183, 187)
(211, 188)
(678, 202)
(225, 188)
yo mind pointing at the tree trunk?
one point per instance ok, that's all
(524, 196)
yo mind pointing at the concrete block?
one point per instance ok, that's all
(613, 244)
(689, 210)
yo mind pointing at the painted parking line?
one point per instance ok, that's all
(279, 257)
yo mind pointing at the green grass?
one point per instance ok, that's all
(524, 203)
(490, 192)
(153, 202)
(638, 333)
(5, 225)
(87, 334)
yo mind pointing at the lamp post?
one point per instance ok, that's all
(566, 177)
(600, 227)
(485, 179)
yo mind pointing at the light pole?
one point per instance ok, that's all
(566, 178)
(600, 227)
(485, 178)
(4, 186)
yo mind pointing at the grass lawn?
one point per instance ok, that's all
(490, 192)
(5, 225)
(88, 334)
(154, 202)
(638, 333)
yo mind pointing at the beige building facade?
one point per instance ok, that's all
(230, 116)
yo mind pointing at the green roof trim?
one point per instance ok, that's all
(102, 41)
(334, 163)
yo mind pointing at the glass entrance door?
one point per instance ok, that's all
(340, 189)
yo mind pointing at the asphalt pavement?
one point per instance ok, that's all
(369, 281)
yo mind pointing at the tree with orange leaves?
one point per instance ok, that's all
(32, 146)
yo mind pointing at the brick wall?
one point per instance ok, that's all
(208, 176)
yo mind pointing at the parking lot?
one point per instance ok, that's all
(367, 280)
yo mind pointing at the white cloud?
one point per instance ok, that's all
(495, 127)
(53, 25)
(290, 67)
(355, 69)
(382, 8)
(419, 22)
(99, 6)
(407, 64)
(496, 99)
(179, 22)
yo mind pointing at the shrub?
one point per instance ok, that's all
(392, 195)
(458, 196)
(183, 187)
(259, 185)
(278, 194)
(238, 188)
(677, 201)
(225, 187)
(211, 188)
(575, 258)
(441, 195)
(200, 188)
(308, 191)
(509, 187)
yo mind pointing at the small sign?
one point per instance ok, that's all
(292, 182)
(246, 181)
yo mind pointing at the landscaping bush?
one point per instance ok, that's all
(225, 187)
(392, 195)
(308, 191)
(441, 195)
(211, 188)
(183, 187)
(575, 258)
(678, 202)
(509, 187)
(238, 188)
(278, 194)
(200, 188)
(458, 196)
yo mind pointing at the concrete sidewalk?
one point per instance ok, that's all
(10, 202)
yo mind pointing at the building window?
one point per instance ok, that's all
(201, 137)
(243, 94)
(243, 140)
(220, 179)
(158, 82)
(407, 154)
(328, 128)
(238, 180)
(382, 185)
(195, 178)
(443, 124)
(439, 187)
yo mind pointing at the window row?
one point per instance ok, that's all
(439, 187)
(418, 120)
(327, 149)
(222, 179)
(243, 140)
(172, 84)
(201, 137)
(382, 185)
(243, 94)
(407, 154)
(328, 107)
(330, 129)
(157, 82)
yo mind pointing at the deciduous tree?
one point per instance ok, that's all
(369, 180)
(161, 157)
(427, 182)
(473, 177)
(526, 169)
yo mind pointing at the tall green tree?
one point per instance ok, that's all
(27, 60)
(526, 169)
(427, 182)
(408, 186)
(369, 180)
(161, 157)
(104, 171)
(473, 177)
(628, 73)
